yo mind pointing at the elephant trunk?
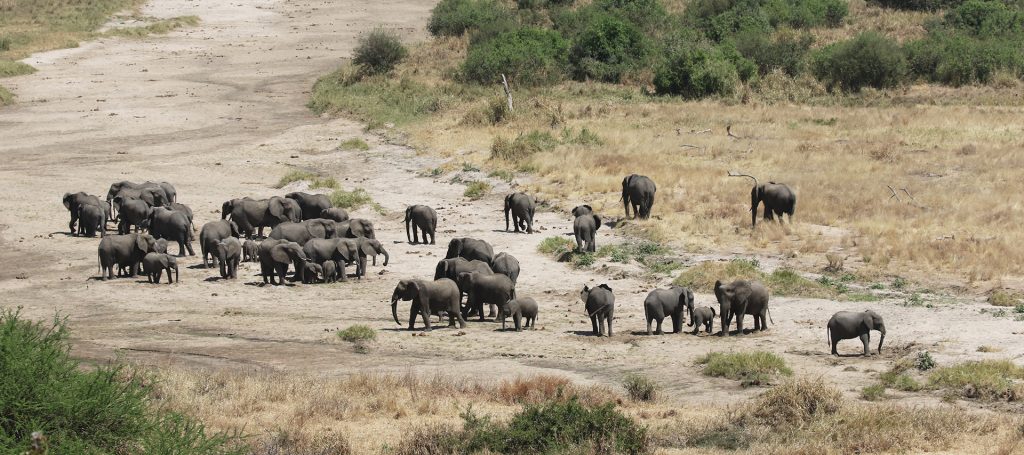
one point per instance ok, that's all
(394, 309)
(881, 339)
(408, 236)
(176, 277)
(387, 257)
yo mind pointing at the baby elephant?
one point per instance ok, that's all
(229, 253)
(851, 324)
(250, 251)
(154, 264)
(330, 271)
(520, 308)
(312, 273)
(704, 316)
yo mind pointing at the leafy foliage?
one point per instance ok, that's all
(868, 60)
(696, 72)
(751, 368)
(606, 49)
(527, 56)
(456, 17)
(378, 52)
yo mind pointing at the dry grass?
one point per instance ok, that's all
(40, 25)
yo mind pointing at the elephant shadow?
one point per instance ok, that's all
(199, 266)
(213, 279)
(584, 333)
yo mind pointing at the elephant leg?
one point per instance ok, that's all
(658, 330)
(835, 342)
(413, 314)
(491, 312)
(593, 322)
(529, 225)
(579, 242)
(764, 321)
(739, 323)
(649, 320)
(433, 236)
(600, 325)
(425, 311)
(188, 245)
(609, 316)
(415, 234)
(517, 319)
(170, 277)
(725, 324)
(866, 339)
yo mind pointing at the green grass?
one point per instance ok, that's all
(357, 333)
(294, 175)
(156, 27)
(782, 281)
(6, 97)
(377, 100)
(1003, 297)
(985, 379)
(653, 256)
(640, 387)
(10, 68)
(477, 189)
(873, 392)
(39, 25)
(97, 409)
(350, 199)
(324, 182)
(354, 144)
(583, 260)
(503, 175)
(555, 245)
(751, 368)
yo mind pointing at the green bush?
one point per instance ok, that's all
(377, 100)
(954, 58)
(5, 43)
(95, 410)
(556, 246)
(868, 60)
(640, 387)
(606, 49)
(350, 199)
(456, 17)
(721, 19)
(784, 51)
(751, 368)
(354, 144)
(873, 392)
(649, 15)
(6, 97)
(917, 5)
(696, 71)
(357, 333)
(527, 56)
(9, 68)
(379, 52)
(523, 146)
(477, 189)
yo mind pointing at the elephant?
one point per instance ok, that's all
(168, 189)
(370, 247)
(522, 207)
(428, 297)
(254, 215)
(520, 308)
(355, 228)
(335, 214)
(599, 303)
(672, 302)
(330, 271)
(451, 268)
(154, 265)
(276, 255)
(179, 207)
(74, 203)
(638, 192)
(173, 226)
(154, 197)
(585, 229)
(160, 246)
(494, 289)
(343, 252)
(212, 233)
(125, 251)
(739, 298)
(92, 218)
(703, 316)
(845, 325)
(303, 231)
(310, 205)
(250, 251)
(472, 249)
(424, 218)
(312, 272)
(132, 213)
(229, 254)
(506, 264)
(778, 199)
(581, 210)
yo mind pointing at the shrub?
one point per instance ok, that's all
(583, 260)
(985, 17)
(527, 56)
(797, 403)
(456, 17)
(350, 199)
(477, 189)
(873, 392)
(784, 51)
(696, 71)
(924, 361)
(377, 100)
(917, 5)
(523, 146)
(354, 144)
(9, 68)
(722, 19)
(556, 246)
(606, 49)
(6, 97)
(751, 368)
(984, 379)
(702, 277)
(639, 387)
(868, 60)
(357, 333)
(953, 58)
(378, 52)
(5, 43)
(649, 15)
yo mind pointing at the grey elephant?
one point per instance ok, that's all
(739, 298)
(425, 219)
(521, 206)
(340, 252)
(703, 316)
(229, 254)
(355, 228)
(778, 199)
(523, 307)
(253, 215)
(599, 302)
(673, 302)
(335, 214)
(184, 209)
(168, 190)
(132, 213)
(173, 226)
(585, 229)
(310, 205)
(154, 197)
(493, 290)
(154, 265)
(845, 325)
(211, 234)
(74, 203)
(472, 249)
(91, 219)
(160, 246)
(250, 251)
(304, 231)
(312, 273)
(330, 271)
(581, 210)
(123, 251)
(506, 264)
(451, 268)
(428, 297)
(276, 256)
(638, 193)
(370, 247)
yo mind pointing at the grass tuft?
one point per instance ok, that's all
(751, 368)
(6, 97)
(350, 199)
(1004, 297)
(294, 175)
(477, 189)
(157, 27)
(354, 144)
(357, 333)
(640, 387)
(874, 392)
(988, 380)
(9, 68)
(555, 245)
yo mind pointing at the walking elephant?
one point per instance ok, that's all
(74, 202)
(184, 209)
(581, 210)
(425, 219)
(132, 213)
(494, 289)
(276, 256)
(250, 251)
(521, 206)
(638, 192)
(335, 214)
(672, 302)
(211, 234)
(599, 302)
(229, 254)
(304, 231)
(312, 273)
(310, 205)
(92, 218)
(253, 215)
(330, 271)
(739, 298)
(123, 252)
(370, 247)
(585, 229)
(154, 264)
(472, 249)
(703, 316)
(524, 307)
(778, 199)
(845, 325)
(506, 264)
(173, 226)
(428, 297)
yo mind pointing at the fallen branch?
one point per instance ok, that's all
(702, 131)
(728, 131)
(894, 195)
(508, 92)
(737, 174)
(691, 146)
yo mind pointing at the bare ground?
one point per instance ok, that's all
(219, 110)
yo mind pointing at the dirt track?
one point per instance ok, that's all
(219, 110)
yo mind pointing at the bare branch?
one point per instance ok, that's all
(894, 195)
(508, 92)
(691, 146)
(737, 174)
(728, 131)
(702, 131)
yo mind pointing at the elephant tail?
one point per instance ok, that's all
(828, 335)
(769, 311)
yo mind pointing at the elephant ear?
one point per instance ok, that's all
(408, 213)
(718, 284)
(141, 243)
(368, 248)
(597, 222)
(342, 251)
(508, 201)
(67, 201)
(279, 254)
(276, 207)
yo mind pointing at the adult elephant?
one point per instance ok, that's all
(355, 228)
(739, 298)
(316, 228)
(494, 289)
(451, 268)
(253, 215)
(341, 252)
(472, 249)
(845, 325)
(211, 234)
(370, 247)
(335, 214)
(521, 206)
(153, 196)
(638, 192)
(123, 252)
(428, 297)
(173, 226)
(310, 205)
(778, 199)
(276, 256)
(184, 209)
(584, 228)
(599, 303)
(133, 213)
(425, 219)
(506, 264)
(165, 188)
(92, 219)
(73, 202)
(672, 302)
